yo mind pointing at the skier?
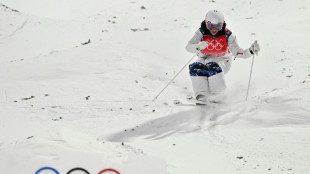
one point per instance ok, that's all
(215, 45)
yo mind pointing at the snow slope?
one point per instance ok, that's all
(78, 78)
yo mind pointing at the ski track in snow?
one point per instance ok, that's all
(65, 101)
(19, 28)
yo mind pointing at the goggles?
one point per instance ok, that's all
(216, 27)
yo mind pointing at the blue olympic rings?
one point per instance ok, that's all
(47, 168)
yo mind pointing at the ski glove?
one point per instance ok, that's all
(202, 45)
(255, 48)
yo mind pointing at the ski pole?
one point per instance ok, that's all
(246, 99)
(173, 78)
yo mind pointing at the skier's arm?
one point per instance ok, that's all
(235, 48)
(192, 44)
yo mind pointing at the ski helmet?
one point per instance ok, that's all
(214, 20)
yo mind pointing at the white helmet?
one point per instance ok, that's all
(214, 18)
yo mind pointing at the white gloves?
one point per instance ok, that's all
(202, 45)
(254, 48)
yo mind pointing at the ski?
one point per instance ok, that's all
(192, 103)
(179, 103)
(198, 102)
(193, 100)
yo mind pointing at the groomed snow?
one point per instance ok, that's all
(78, 78)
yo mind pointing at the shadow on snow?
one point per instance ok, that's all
(260, 112)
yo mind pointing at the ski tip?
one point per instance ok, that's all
(188, 97)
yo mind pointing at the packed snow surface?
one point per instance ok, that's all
(77, 80)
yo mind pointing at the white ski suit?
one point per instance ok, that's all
(215, 84)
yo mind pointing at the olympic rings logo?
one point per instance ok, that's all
(76, 169)
(216, 45)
